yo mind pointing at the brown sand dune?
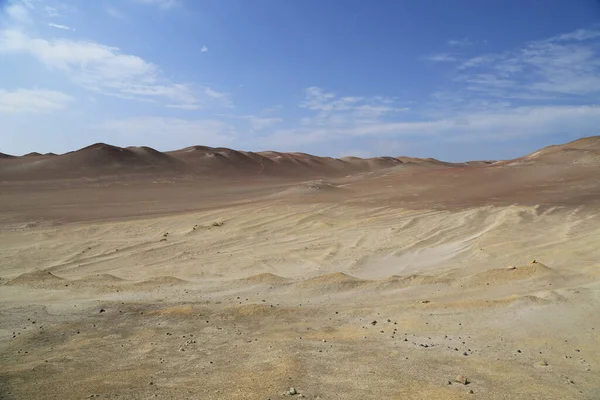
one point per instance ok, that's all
(265, 278)
(581, 152)
(92, 161)
(105, 160)
(38, 279)
(3, 155)
(212, 273)
(332, 283)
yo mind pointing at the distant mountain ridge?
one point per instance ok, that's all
(101, 159)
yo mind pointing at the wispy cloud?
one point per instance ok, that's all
(332, 116)
(164, 4)
(114, 13)
(494, 125)
(109, 71)
(219, 97)
(578, 35)
(331, 109)
(204, 49)
(19, 12)
(460, 42)
(22, 101)
(440, 57)
(63, 27)
(51, 12)
(562, 66)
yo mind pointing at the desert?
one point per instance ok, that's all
(211, 273)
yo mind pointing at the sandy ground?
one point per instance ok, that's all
(384, 285)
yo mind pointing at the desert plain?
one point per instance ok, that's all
(209, 273)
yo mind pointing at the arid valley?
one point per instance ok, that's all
(209, 273)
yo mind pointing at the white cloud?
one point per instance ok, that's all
(478, 126)
(19, 12)
(219, 97)
(442, 57)
(113, 12)
(165, 4)
(32, 101)
(51, 12)
(479, 60)
(204, 49)
(109, 71)
(459, 42)
(564, 67)
(580, 34)
(149, 130)
(334, 111)
(63, 27)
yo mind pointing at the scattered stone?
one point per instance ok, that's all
(518, 351)
(534, 261)
(102, 310)
(511, 267)
(425, 301)
(471, 391)
(292, 391)
(461, 379)
(543, 363)
(465, 354)
(374, 323)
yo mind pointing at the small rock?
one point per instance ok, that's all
(462, 379)
(465, 354)
(292, 391)
(511, 267)
(471, 391)
(374, 323)
(533, 261)
(102, 310)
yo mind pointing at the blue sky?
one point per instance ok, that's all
(455, 80)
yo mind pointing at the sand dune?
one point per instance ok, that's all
(105, 160)
(220, 274)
